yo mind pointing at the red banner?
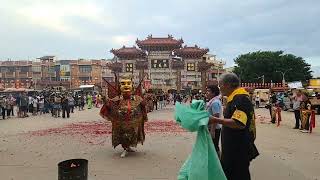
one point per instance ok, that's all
(312, 121)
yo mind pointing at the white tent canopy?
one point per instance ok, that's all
(295, 85)
(86, 86)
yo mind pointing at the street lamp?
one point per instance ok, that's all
(283, 74)
(259, 77)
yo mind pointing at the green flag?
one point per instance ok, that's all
(203, 163)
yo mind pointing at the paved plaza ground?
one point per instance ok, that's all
(31, 148)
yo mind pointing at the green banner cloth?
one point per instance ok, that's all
(203, 163)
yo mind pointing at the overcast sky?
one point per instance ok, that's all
(72, 29)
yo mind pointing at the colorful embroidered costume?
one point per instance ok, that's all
(127, 113)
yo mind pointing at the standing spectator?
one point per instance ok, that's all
(24, 101)
(65, 107)
(297, 99)
(2, 107)
(85, 97)
(11, 103)
(170, 98)
(79, 102)
(178, 98)
(165, 99)
(257, 99)
(38, 99)
(98, 100)
(76, 99)
(155, 101)
(214, 107)
(94, 97)
(46, 104)
(281, 99)
(41, 105)
(238, 133)
(89, 101)
(7, 106)
(82, 101)
(57, 106)
(18, 103)
(271, 107)
(71, 102)
(30, 105)
(35, 105)
(161, 99)
(305, 110)
(52, 104)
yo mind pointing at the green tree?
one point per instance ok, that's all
(251, 66)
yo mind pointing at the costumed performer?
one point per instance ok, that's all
(127, 113)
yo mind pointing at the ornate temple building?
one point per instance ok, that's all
(156, 57)
(161, 62)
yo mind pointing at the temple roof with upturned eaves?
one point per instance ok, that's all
(128, 53)
(191, 52)
(159, 42)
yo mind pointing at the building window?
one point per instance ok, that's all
(36, 68)
(84, 78)
(163, 63)
(52, 69)
(85, 68)
(213, 75)
(24, 69)
(129, 67)
(191, 67)
(65, 68)
(11, 69)
(3, 69)
(64, 79)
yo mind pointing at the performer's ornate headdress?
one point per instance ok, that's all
(123, 84)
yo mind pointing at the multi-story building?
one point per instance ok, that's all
(48, 68)
(15, 73)
(48, 71)
(216, 70)
(63, 70)
(230, 69)
(88, 72)
(27, 74)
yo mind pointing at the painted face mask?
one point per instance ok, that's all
(125, 86)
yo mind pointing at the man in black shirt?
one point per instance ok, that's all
(272, 104)
(65, 106)
(238, 132)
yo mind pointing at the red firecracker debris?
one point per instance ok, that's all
(96, 132)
